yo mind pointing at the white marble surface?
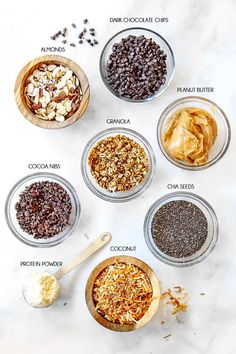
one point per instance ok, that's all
(202, 35)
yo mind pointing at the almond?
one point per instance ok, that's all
(53, 92)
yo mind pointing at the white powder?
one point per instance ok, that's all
(41, 289)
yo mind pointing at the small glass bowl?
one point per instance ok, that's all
(117, 196)
(213, 229)
(223, 137)
(138, 31)
(13, 198)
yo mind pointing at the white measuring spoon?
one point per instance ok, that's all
(94, 246)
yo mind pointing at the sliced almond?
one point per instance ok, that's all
(52, 92)
(61, 109)
(36, 106)
(35, 91)
(51, 67)
(56, 71)
(51, 115)
(68, 105)
(60, 118)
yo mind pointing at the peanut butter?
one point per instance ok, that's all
(189, 135)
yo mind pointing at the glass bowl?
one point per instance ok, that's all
(223, 137)
(117, 196)
(213, 229)
(137, 31)
(13, 198)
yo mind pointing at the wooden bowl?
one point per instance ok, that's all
(20, 85)
(155, 288)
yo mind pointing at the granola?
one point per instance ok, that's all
(118, 163)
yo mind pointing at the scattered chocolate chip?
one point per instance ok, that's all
(64, 32)
(85, 35)
(64, 41)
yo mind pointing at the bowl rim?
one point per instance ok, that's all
(93, 186)
(181, 262)
(59, 180)
(158, 93)
(25, 110)
(161, 121)
(150, 313)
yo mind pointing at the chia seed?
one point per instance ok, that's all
(179, 229)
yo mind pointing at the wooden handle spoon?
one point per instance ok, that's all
(94, 246)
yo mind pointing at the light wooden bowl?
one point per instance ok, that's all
(20, 85)
(155, 288)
